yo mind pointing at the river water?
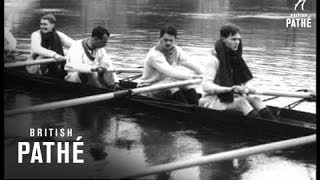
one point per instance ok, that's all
(280, 58)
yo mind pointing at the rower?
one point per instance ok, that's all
(87, 61)
(227, 74)
(10, 44)
(161, 66)
(48, 43)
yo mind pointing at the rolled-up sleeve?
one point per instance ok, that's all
(65, 40)
(159, 62)
(106, 61)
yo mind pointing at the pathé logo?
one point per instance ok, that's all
(300, 2)
(299, 20)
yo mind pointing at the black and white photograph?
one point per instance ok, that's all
(160, 89)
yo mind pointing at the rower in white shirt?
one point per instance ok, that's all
(87, 61)
(161, 66)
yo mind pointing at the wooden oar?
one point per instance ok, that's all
(223, 156)
(21, 51)
(285, 93)
(312, 99)
(50, 60)
(30, 62)
(127, 70)
(99, 97)
(23, 39)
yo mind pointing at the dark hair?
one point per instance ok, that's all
(99, 32)
(228, 29)
(49, 17)
(169, 30)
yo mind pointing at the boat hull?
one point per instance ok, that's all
(290, 123)
(230, 121)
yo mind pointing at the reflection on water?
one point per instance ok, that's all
(264, 167)
(116, 142)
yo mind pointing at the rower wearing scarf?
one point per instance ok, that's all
(88, 61)
(161, 66)
(49, 43)
(229, 74)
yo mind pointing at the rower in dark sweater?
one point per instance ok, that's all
(226, 84)
(49, 43)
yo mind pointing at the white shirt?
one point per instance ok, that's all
(78, 61)
(157, 68)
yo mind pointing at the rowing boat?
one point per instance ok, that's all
(290, 123)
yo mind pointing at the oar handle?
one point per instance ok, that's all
(285, 93)
(31, 62)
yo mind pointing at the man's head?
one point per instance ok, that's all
(47, 23)
(168, 36)
(230, 35)
(99, 37)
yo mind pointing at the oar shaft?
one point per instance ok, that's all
(284, 93)
(50, 60)
(96, 98)
(66, 103)
(23, 39)
(22, 51)
(223, 156)
(128, 70)
(165, 86)
(29, 62)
